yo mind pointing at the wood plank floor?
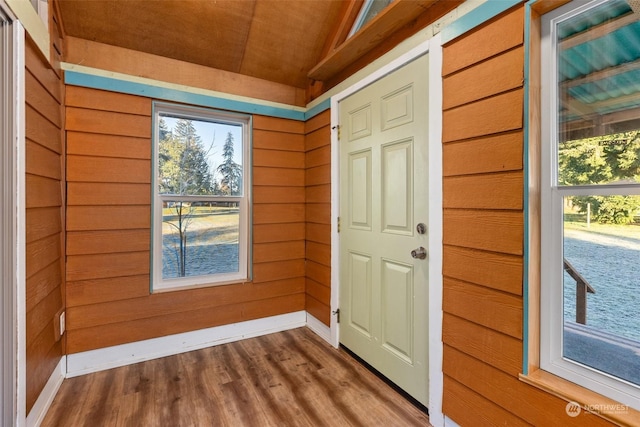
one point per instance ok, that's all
(290, 378)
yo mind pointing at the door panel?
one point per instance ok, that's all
(360, 284)
(397, 309)
(397, 187)
(360, 189)
(397, 108)
(383, 194)
(360, 122)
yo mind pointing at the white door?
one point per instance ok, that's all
(383, 199)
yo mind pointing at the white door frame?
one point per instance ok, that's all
(12, 221)
(434, 48)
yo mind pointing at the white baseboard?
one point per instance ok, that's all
(448, 422)
(140, 351)
(40, 408)
(322, 330)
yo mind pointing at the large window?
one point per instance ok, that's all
(201, 185)
(590, 306)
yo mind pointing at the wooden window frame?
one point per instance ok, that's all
(536, 369)
(158, 284)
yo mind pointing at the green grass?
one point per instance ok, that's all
(576, 221)
(211, 219)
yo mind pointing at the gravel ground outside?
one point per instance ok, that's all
(609, 259)
(212, 245)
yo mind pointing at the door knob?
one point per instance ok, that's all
(420, 253)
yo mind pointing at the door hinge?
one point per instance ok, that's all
(337, 129)
(337, 313)
(338, 224)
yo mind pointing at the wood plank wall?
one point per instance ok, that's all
(483, 189)
(108, 228)
(318, 216)
(135, 63)
(44, 153)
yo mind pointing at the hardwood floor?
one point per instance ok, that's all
(291, 378)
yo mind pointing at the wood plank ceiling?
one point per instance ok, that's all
(276, 40)
(292, 42)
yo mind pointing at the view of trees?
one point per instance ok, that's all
(603, 160)
(184, 170)
(231, 172)
(183, 161)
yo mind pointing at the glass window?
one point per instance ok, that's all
(42, 9)
(201, 193)
(369, 10)
(590, 328)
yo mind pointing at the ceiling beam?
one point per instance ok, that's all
(576, 107)
(598, 31)
(391, 19)
(347, 18)
(605, 119)
(602, 74)
(607, 103)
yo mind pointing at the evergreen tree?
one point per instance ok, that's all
(183, 170)
(164, 131)
(183, 162)
(231, 182)
(603, 160)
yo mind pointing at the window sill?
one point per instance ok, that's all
(590, 401)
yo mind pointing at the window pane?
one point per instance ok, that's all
(370, 9)
(602, 329)
(599, 96)
(199, 238)
(374, 8)
(198, 157)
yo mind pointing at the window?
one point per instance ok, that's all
(42, 9)
(369, 10)
(201, 191)
(590, 184)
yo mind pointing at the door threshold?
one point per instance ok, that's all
(387, 381)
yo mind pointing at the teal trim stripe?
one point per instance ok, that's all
(526, 172)
(477, 16)
(132, 88)
(323, 106)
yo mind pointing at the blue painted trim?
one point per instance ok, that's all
(116, 85)
(525, 258)
(323, 106)
(477, 16)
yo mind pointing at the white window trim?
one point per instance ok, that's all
(551, 334)
(12, 220)
(34, 22)
(158, 284)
